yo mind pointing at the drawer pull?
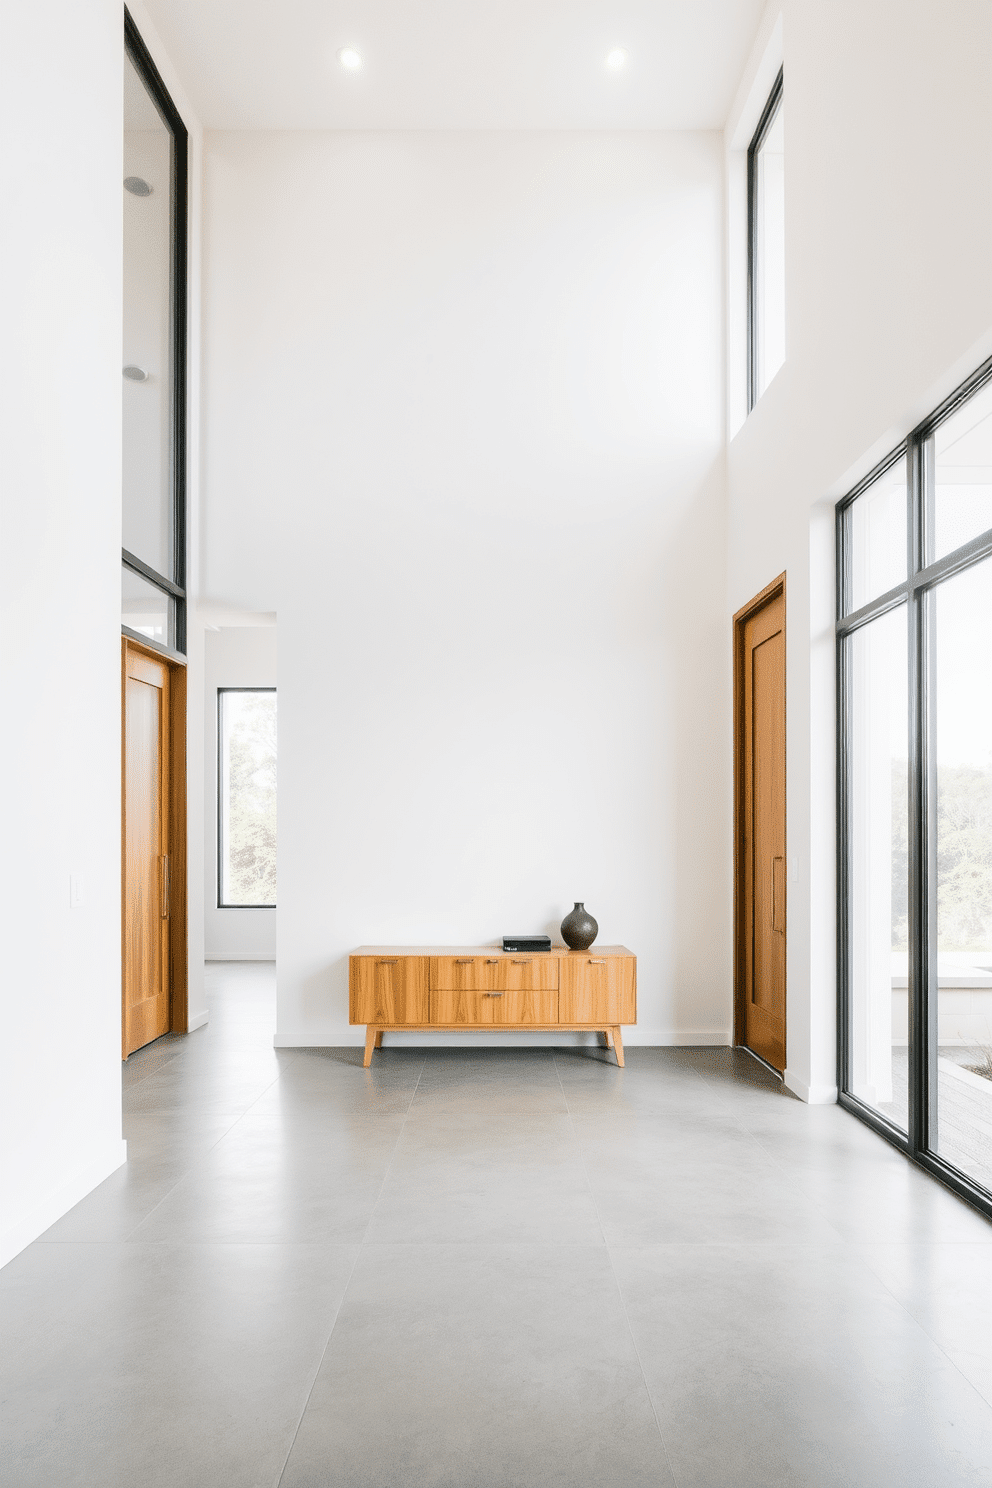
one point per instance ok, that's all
(394, 962)
(596, 963)
(492, 961)
(521, 963)
(492, 994)
(469, 961)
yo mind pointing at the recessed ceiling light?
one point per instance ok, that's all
(350, 59)
(616, 59)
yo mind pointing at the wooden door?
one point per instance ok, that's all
(761, 879)
(146, 850)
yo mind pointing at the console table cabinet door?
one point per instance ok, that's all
(389, 989)
(526, 1007)
(597, 989)
(452, 1005)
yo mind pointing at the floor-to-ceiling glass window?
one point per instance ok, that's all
(915, 754)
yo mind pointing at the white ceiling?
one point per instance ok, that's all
(458, 64)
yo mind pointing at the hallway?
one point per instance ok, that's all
(484, 1268)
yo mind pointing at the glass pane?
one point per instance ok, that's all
(879, 901)
(147, 352)
(247, 724)
(963, 729)
(769, 248)
(962, 506)
(146, 609)
(877, 540)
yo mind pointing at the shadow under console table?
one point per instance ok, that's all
(476, 989)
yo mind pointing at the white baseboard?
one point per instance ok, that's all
(59, 1200)
(664, 1038)
(813, 1095)
(197, 1020)
(239, 956)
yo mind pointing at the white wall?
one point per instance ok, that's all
(60, 516)
(888, 168)
(234, 657)
(464, 401)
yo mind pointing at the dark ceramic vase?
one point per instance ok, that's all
(579, 929)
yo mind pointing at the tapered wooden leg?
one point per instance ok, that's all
(378, 1038)
(370, 1043)
(618, 1046)
(608, 1033)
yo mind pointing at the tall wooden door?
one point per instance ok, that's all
(761, 880)
(146, 844)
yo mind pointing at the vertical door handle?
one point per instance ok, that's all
(165, 887)
(778, 895)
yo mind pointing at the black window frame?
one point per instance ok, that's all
(222, 904)
(173, 585)
(919, 1142)
(768, 116)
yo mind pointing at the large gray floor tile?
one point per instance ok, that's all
(705, 1202)
(161, 1366)
(118, 1205)
(948, 1290)
(236, 1196)
(785, 1367)
(471, 1178)
(480, 1367)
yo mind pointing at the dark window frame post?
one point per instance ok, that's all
(768, 115)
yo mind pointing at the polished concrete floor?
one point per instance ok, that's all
(493, 1269)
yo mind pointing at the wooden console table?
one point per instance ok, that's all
(395, 989)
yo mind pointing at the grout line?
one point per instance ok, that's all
(620, 1295)
(358, 1252)
(316, 1373)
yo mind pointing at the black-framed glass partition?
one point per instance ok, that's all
(914, 549)
(153, 572)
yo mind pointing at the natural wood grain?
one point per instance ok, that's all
(146, 974)
(520, 1008)
(479, 973)
(618, 1046)
(596, 989)
(451, 1005)
(389, 989)
(760, 879)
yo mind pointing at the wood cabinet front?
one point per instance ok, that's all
(389, 989)
(499, 973)
(597, 989)
(483, 987)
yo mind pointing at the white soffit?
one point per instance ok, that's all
(458, 64)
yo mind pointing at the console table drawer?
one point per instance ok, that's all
(389, 989)
(453, 1006)
(465, 973)
(494, 973)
